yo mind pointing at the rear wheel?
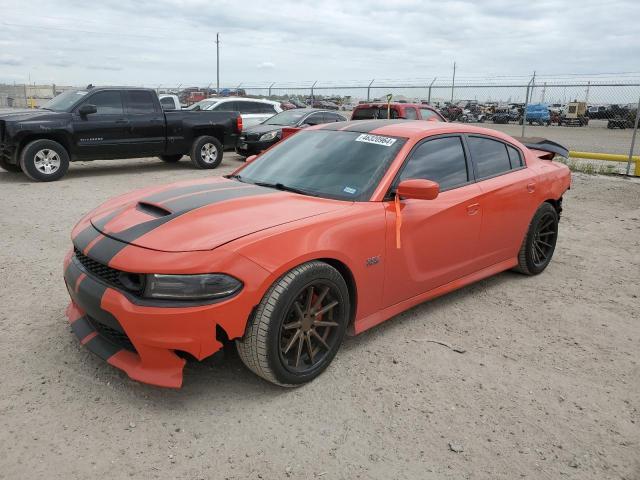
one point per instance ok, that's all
(206, 152)
(540, 242)
(9, 167)
(298, 326)
(44, 160)
(171, 158)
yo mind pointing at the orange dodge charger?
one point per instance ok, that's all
(331, 231)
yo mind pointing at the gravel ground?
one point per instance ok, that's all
(548, 388)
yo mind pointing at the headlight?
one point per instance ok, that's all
(270, 135)
(191, 287)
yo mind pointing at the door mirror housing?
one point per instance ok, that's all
(87, 109)
(419, 189)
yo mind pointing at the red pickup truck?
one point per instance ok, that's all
(409, 111)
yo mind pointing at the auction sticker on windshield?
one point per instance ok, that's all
(376, 139)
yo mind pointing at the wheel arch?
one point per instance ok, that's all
(350, 280)
(55, 137)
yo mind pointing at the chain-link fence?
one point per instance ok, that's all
(592, 116)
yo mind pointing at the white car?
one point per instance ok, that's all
(252, 110)
(169, 102)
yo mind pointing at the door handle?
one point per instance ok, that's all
(473, 208)
(531, 187)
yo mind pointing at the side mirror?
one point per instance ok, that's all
(87, 109)
(419, 189)
(250, 158)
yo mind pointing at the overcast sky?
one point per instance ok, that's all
(171, 42)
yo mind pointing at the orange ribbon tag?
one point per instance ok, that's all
(398, 220)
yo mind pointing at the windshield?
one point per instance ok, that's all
(64, 101)
(288, 117)
(326, 163)
(203, 105)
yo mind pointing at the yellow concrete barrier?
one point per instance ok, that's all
(609, 157)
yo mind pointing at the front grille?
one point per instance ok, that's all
(131, 282)
(114, 336)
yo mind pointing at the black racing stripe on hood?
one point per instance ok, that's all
(89, 234)
(191, 202)
(174, 192)
(105, 249)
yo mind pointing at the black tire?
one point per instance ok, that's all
(9, 167)
(44, 160)
(284, 323)
(540, 241)
(171, 158)
(199, 156)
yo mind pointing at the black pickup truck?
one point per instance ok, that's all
(108, 123)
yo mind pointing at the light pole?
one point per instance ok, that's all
(217, 63)
(453, 80)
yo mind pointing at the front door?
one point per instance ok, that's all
(103, 134)
(438, 238)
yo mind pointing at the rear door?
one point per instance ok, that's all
(146, 123)
(508, 198)
(103, 134)
(438, 238)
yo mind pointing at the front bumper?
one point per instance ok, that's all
(142, 340)
(253, 147)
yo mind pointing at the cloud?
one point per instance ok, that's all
(10, 60)
(172, 42)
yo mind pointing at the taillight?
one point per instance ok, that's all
(239, 123)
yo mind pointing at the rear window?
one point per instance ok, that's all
(370, 113)
(490, 156)
(428, 114)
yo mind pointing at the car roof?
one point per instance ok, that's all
(243, 99)
(410, 128)
(395, 104)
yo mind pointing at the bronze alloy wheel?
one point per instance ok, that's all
(309, 330)
(544, 239)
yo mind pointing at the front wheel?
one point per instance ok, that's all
(44, 160)
(540, 242)
(206, 152)
(298, 326)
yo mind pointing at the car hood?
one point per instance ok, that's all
(13, 115)
(203, 215)
(260, 129)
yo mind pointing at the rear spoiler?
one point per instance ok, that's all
(544, 148)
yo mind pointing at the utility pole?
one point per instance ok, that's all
(453, 81)
(218, 63)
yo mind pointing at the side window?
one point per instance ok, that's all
(227, 107)
(168, 103)
(107, 103)
(314, 119)
(441, 160)
(490, 156)
(140, 101)
(267, 108)
(333, 117)
(514, 157)
(410, 113)
(428, 114)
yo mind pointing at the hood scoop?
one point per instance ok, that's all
(153, 209)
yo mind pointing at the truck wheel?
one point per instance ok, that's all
(171, 158)
(44, 160)
(206, 152)
(9, 167)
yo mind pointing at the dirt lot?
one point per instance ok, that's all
(549, 386)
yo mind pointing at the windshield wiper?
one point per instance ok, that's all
(285, 188)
